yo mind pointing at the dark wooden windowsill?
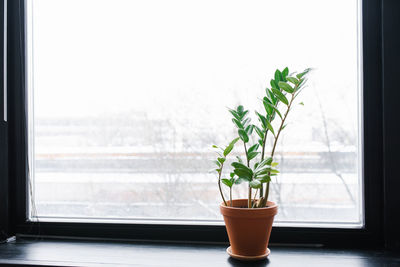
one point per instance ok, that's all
(94, 253)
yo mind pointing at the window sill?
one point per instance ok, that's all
(42, 252)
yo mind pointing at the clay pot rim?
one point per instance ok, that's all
(271, 210)
(222, 205)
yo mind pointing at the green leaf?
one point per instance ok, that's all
(263, 120)
(301, 103)
(249, 129)
(286, 87)
(300, 75)
(237, 122)
(265, 162)
(229, 148)
(264, 179)
(246, 121)
(280, 96)
(227, 182)
(274, 108)
(242, 171)
(256, 164)
(255, 184)
(221, 160)
(293, 80)
(243, 115)
(259, 132)
(274, 164)
(243, 174)
(267, 106)
(239, 159)
(274, 84)
(240, 109)
(271, 96)
(234, 114)
(278, 76)
(217, 163)
(252, 155)
(263, 171)
(214, 146)
(239, 165)
(232, 174)
(285, 73)
(253, 148)
(243, 135)
(270, 127)
(260, 142)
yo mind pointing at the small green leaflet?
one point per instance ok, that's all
(286, 87)
(285, 73)
(293, 80)
(243, 174)
(229, 148)
(234, 114)
(274, 84)
(227, 182)
(263, 120)
(237, 123)
(253, 148)
(280, 96)
(255, 184)
(259, 132)
(278, 76)
(274, 108)
(243, 135)
(249, 129)
(252, 155)
(270, 127)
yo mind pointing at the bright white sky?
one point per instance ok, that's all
(190, 59)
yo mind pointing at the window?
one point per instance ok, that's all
(127, 97)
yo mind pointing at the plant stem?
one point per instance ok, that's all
(219, 184)
(248, 165)
(263, 146)
(266, 193)
(276, 139)
(230, 196)
(247, 158)
(255, 195)
(262, 158)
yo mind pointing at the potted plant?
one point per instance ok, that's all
(249, 221)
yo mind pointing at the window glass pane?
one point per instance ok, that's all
(127, 97)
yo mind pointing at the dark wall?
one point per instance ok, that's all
(391, 120)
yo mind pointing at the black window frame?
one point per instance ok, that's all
(371, 235)
(4, 226)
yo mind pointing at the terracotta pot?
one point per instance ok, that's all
(248, 229)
